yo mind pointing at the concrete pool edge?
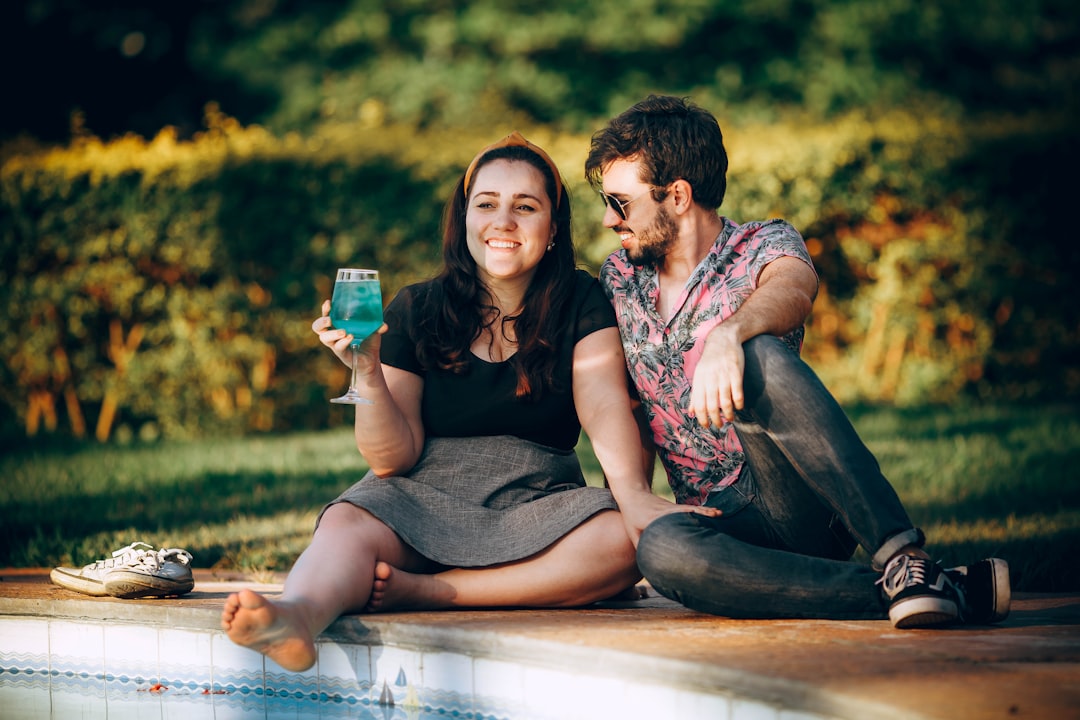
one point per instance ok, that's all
(411, 631)
(832, 669)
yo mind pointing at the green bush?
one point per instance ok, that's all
(160, 287)
(168, 288)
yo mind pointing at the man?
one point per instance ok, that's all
(711, 316)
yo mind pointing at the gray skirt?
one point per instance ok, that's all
(473, 502)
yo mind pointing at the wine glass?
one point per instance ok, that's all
(356, 308)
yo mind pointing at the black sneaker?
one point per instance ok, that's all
(919, 592)
(984, 590)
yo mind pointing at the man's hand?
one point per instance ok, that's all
(717, 388)
(781, 303)
(639, 509)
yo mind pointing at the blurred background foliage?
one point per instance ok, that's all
(179, 182)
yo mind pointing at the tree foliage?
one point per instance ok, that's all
(565, 62)
(291, 65)
(162, 280)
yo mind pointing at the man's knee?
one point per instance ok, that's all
(765, 343)
(682, 556)
(656, 544)
(660, 543)
(767, 350)
(774, 372)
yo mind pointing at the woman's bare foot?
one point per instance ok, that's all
(395, 589)
(249, 619)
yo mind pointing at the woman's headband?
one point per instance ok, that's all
(515, 139)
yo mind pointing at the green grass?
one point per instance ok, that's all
(981, 480)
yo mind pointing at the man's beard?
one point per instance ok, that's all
(656, 241)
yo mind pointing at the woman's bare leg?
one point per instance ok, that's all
(332, 576)
(594, 561)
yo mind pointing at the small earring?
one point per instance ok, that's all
(551, 246)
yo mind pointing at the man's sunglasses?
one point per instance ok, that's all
(618, 205)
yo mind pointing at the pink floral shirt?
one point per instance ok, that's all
(662, 355)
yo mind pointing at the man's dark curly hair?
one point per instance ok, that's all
(674, 139)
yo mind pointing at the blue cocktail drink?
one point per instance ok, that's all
(356, 308)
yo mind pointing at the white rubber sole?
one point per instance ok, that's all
(71, 579)
(920, 612)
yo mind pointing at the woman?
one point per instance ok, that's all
(481, 380)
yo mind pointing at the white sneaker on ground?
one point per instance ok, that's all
(155, 574)
(137, 570)
(90, 579)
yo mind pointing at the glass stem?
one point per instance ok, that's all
(352, 383)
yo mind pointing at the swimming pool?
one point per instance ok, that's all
(73, 667)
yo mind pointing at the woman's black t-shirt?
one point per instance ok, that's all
(480, 401)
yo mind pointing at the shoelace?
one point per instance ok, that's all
(902, 572)
(155, 559)
(140, 553)
(129, 555)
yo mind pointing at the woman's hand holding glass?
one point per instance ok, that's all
(342, 343)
